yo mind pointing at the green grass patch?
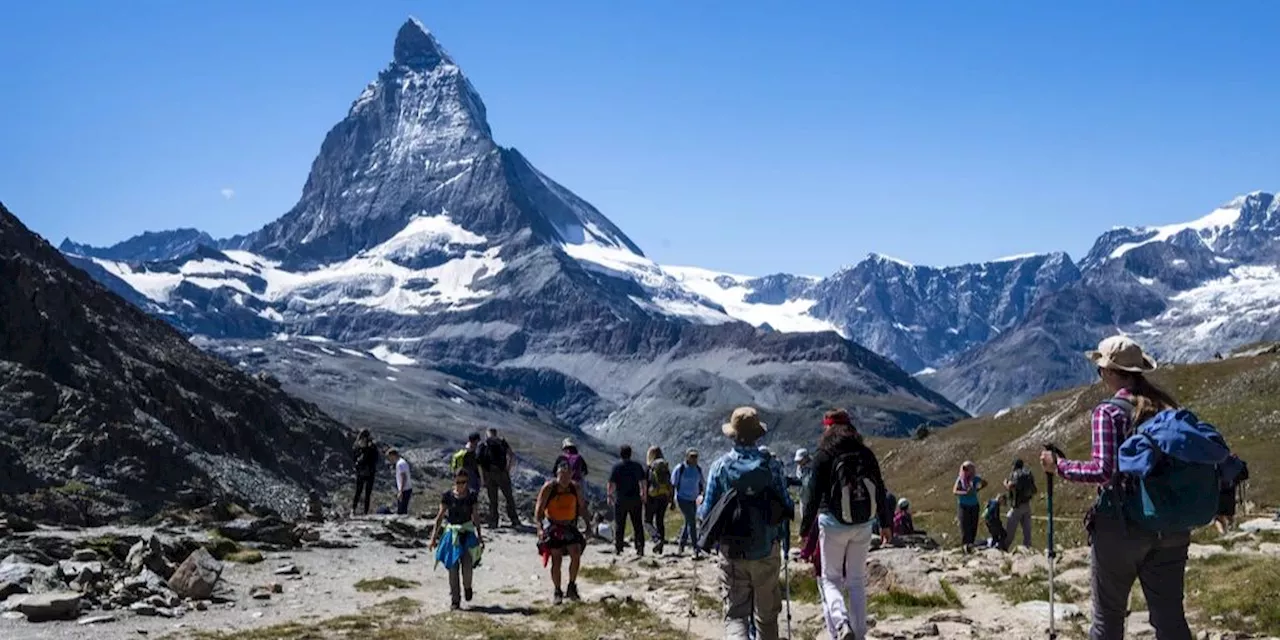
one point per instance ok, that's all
(907, 604)
(74, 488)
(244, 556)
(1240, 589)
(602, 574)
(222, 549)
(1034, 586)
(398, 620)
(388, 583)
(704, 601)
(804, 586)
(625, 618)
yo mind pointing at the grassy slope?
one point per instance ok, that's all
(1241, 396)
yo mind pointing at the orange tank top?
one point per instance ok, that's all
(562, 506)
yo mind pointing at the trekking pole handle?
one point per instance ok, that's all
(1051, 447)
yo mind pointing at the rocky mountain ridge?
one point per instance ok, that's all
(418, 239)
(108, 413)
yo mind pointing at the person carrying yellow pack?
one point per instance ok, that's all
(660, 494)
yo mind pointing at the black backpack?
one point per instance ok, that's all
(492, 454)
(852, 497)
(1024, 487)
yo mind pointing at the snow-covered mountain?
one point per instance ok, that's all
(1186, 291)
(417, 234)
(418, 238)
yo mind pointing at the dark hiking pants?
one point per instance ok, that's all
(628, 509)
(1122, 553)
(655, 513)
(689, 532)
(402, 502)
(364, 485)
(969, 516)
(495, 482)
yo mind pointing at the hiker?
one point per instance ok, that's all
(804, 467)
(404, 481)
(846, 494)
(365, 455)
(995, 528)
(660, 490)
(1121, 551)
(1021, 487)
(462, 540)
(561, 502)
(1228, 498)
(628, 490)
(467, 459)
(903, 523)
(496, 461)
(577, 464)
(966, 489)
(747, 492)
(689, 484)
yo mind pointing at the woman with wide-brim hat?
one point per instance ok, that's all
(1121, 553)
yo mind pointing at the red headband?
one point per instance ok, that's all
(826, 422)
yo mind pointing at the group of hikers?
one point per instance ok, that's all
(1152, 463)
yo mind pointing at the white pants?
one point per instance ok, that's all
(844, 575)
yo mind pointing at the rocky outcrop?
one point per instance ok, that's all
(106, 411)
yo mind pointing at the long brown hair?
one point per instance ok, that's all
(654, 454)
(839, 429)
(1148, 399)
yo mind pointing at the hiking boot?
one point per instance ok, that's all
(572, 593)
(657, 548)
(455, 605)
(467, 594)
(558, 598)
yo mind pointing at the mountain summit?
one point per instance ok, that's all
(417, 238)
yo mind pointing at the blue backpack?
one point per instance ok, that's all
(1173, 467)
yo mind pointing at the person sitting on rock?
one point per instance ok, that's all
(462, 541)
(561, 503)
(903, 523)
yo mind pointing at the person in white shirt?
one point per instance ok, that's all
(404, 481)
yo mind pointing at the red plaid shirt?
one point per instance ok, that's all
(1110, 427)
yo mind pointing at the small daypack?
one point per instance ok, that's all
(492, 455)
(458, 460)
(574, 460)
(852, 498)
(747, 512)
(659, 479)
(1024, 487)
(1170, 471)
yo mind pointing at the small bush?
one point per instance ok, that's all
(246, 556)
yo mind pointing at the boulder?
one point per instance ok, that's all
(72, 569)
(85, 555)
(33, 578)
(901, 570)
(18, 524)
(197, 576)
(148, 553)
(10, 589)
(44, 607)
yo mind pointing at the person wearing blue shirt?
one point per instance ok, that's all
(751, 580)
(689, 484)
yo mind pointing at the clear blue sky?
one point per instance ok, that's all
(743, 136)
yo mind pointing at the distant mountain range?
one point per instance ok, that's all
(421, 242)
(418, 235)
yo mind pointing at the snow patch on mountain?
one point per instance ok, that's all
(730, 291)
(1235, 309)
(383, 353)
(1208, 228)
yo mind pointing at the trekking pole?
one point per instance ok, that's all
(786, 572)
(1051, 551)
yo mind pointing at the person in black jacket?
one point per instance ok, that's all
(366, 463)
(845, 495)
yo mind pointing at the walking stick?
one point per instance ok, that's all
(1052, 551)
(786, 572)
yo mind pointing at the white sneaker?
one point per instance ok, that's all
(845, 632)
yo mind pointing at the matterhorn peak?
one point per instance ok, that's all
(417, 49)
